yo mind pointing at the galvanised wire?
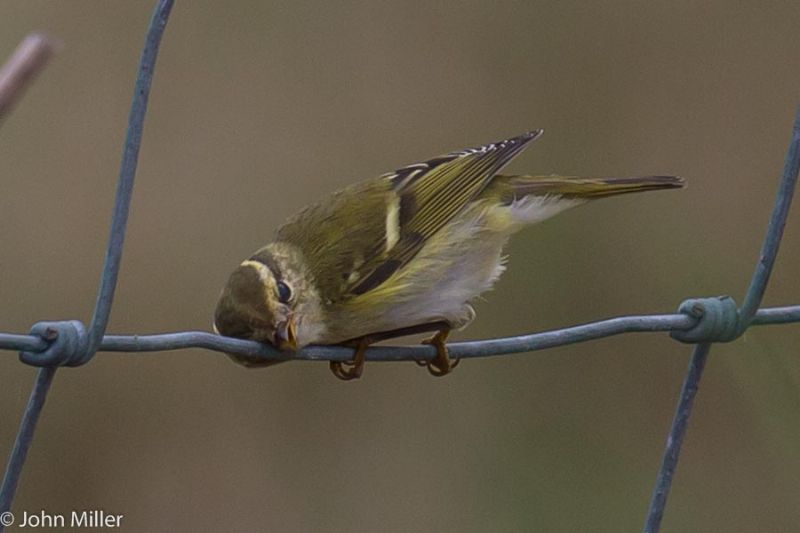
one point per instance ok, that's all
(700, 321)
(740, 319)
(105, 295)
(464, 350)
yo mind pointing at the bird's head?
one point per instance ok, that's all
(268, 298)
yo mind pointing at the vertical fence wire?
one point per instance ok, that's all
(113, 256)
(16, 74)
(672, 450)
(777, 222)
(127, 173)
(44, 378)
(755, 292)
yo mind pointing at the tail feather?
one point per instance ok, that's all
(585, 188)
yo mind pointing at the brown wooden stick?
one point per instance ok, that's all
(22, 67)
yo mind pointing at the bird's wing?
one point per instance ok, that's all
(423, 198)
(351, 249)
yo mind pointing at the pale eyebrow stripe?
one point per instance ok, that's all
(264, 272)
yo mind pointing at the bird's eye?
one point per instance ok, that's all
(284, 292)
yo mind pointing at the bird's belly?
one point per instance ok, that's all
(449, 287)
(458, 264)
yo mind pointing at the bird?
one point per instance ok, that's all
(405, 253)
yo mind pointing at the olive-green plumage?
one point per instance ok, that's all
(410, 247)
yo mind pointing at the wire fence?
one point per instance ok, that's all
(702, 321)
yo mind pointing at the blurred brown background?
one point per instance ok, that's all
(260, 107)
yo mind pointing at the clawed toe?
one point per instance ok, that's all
(347, 371)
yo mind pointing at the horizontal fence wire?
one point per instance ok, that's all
(464, 350)
(700, 322)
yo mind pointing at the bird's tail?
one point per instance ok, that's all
(531, 199)
(570, 187)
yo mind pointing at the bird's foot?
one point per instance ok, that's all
(441, 365)
(353, 369)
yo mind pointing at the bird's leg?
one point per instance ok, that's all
(353, 369)
(441, 365)
(250, 362)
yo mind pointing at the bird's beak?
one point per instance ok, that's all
(286, 336)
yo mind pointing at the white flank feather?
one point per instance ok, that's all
(531, 209)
